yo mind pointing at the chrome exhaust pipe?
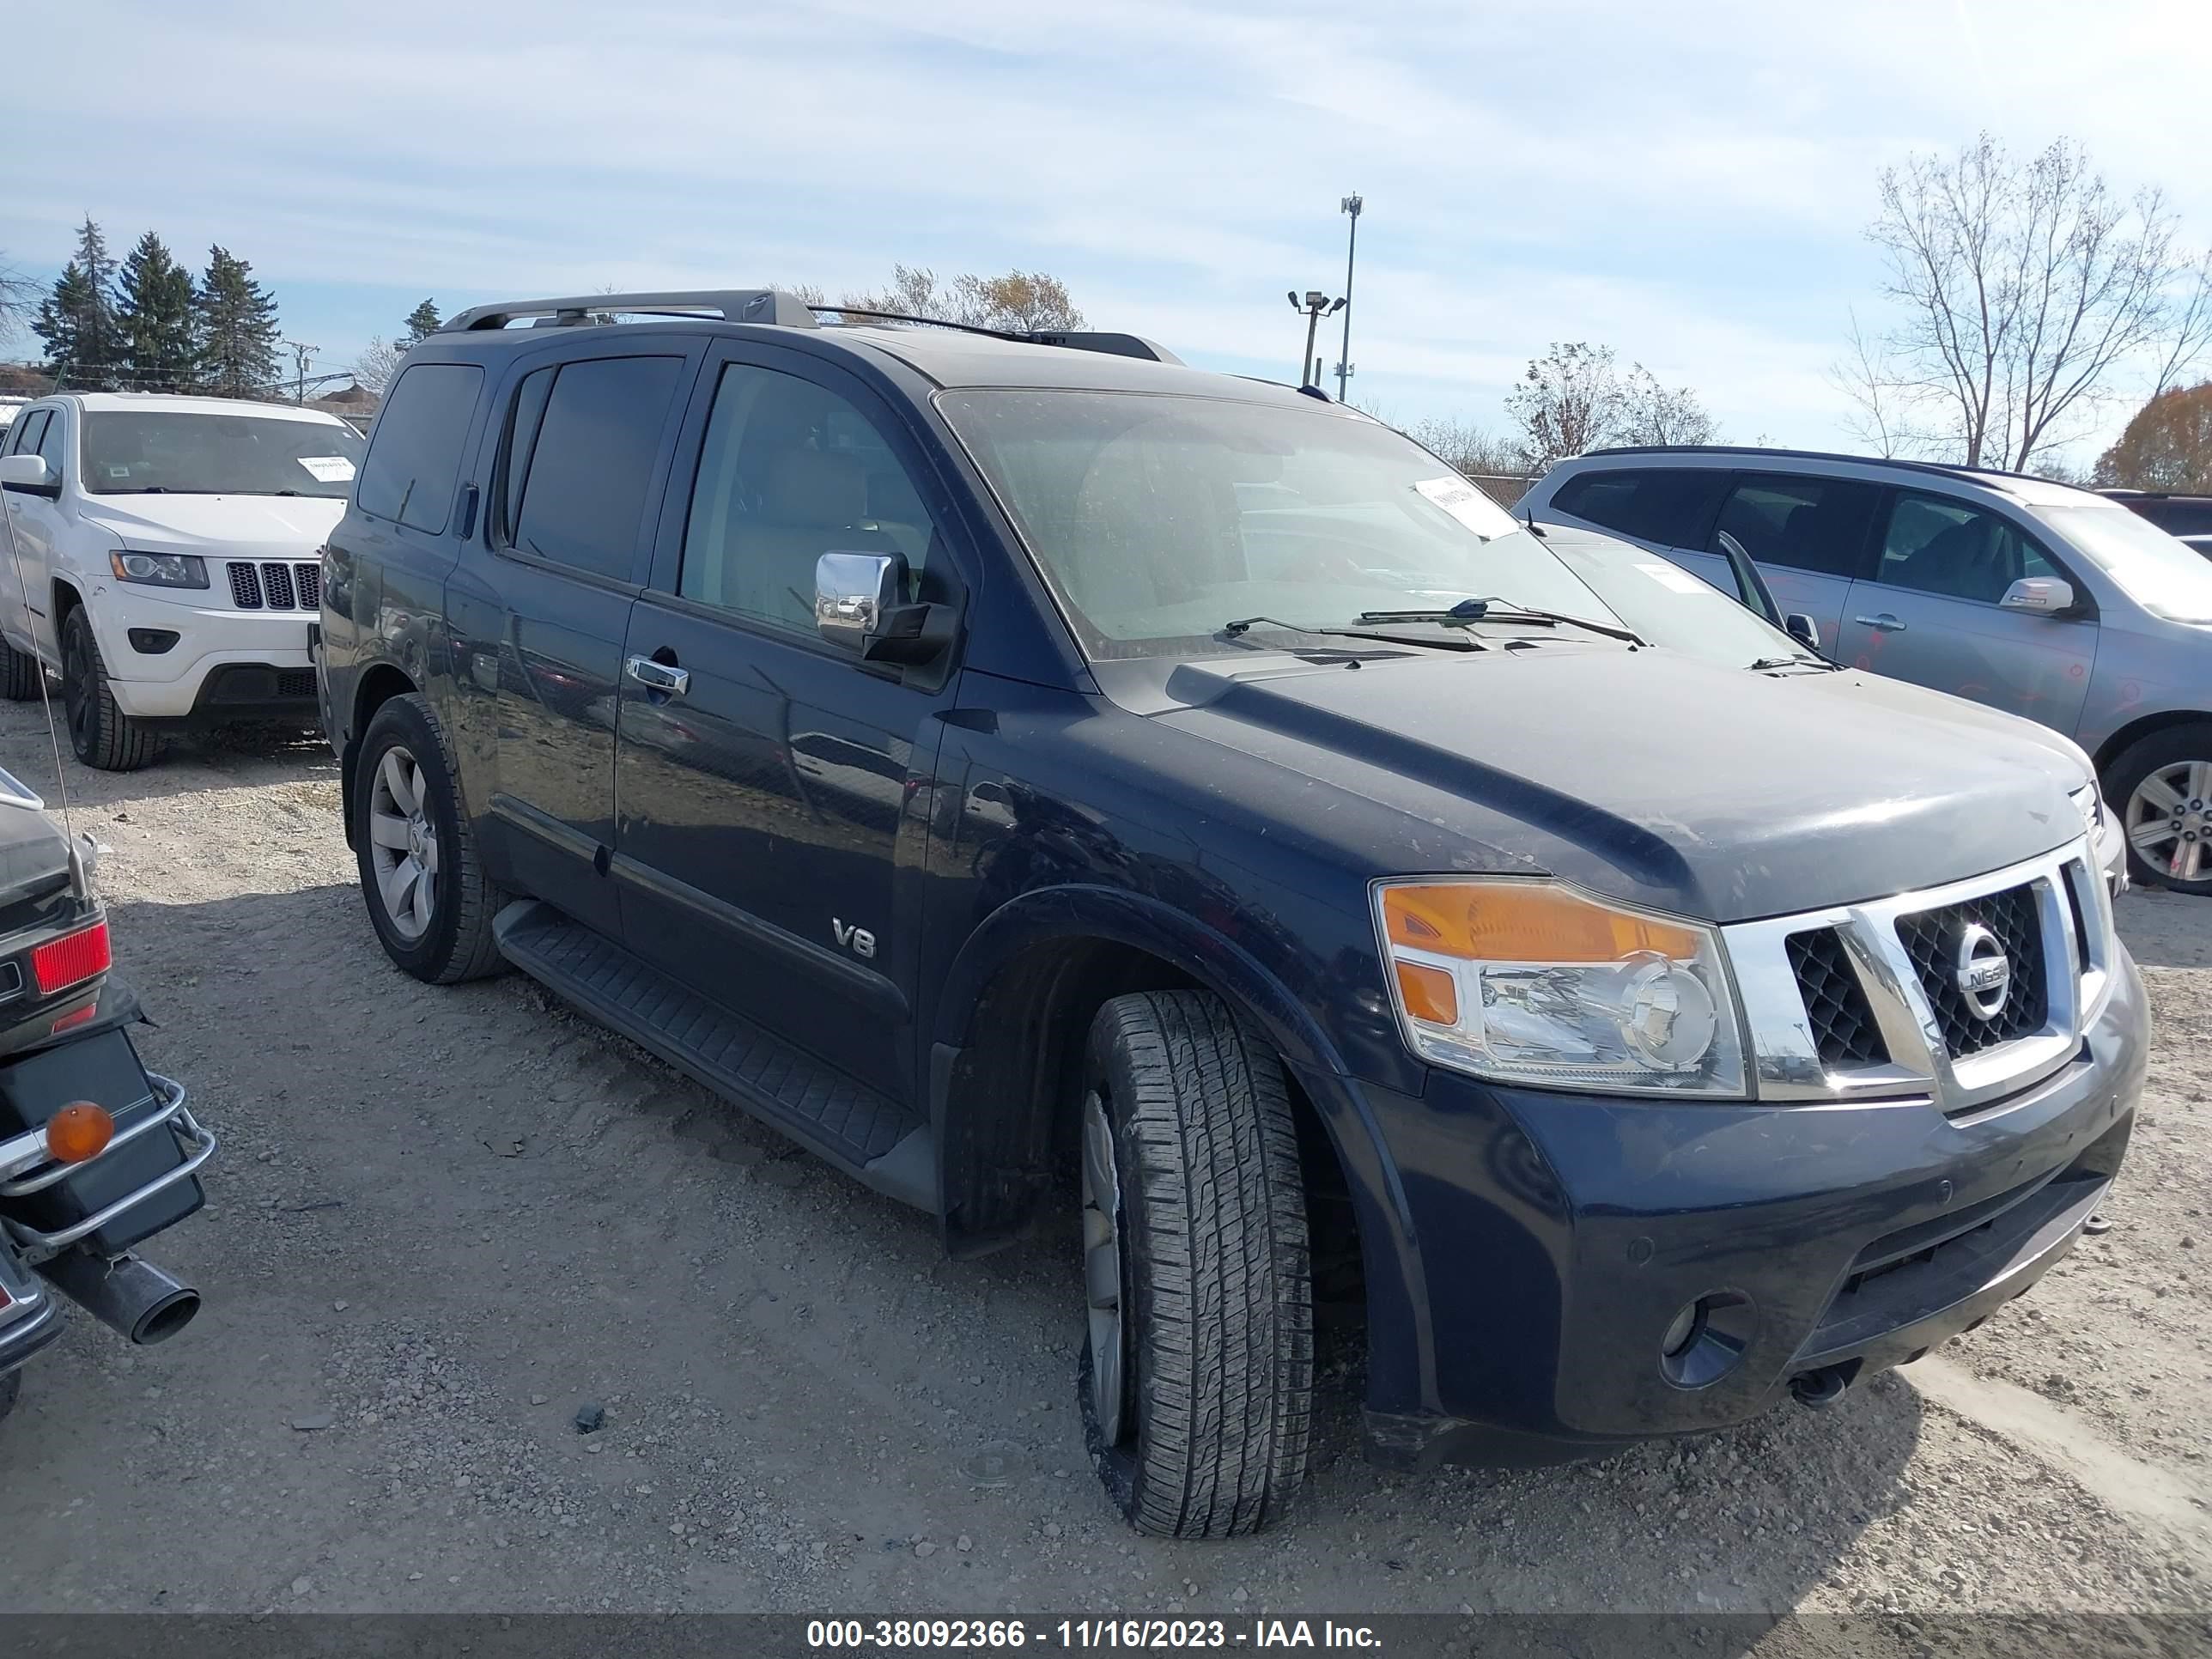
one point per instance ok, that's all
(133, 1298)
(1819, 1390)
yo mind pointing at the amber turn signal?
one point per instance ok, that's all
(79, 1130)
(1523, 921)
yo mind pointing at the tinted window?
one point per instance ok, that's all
(1808, 524)
(1674, 506)
(583, 492)
(2177, 517)
(27, 431)
(52, 441)
(790, 471)
(522, 438)
(415, 458)
(1937, 545)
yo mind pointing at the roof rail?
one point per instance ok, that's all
(1114, 344)
(739, 305)
(1946, 469)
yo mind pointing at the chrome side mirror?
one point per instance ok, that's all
(2046, 596)
(854, 593)
(1803, 629)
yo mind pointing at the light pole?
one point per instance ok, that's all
(1316, 305)
(1351, 204)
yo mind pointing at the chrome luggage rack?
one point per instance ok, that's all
(26, 1167)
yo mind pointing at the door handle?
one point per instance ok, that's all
(659, 677)
(1882, 622)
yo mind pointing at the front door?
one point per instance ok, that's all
(772, 791)
(34, 532)
(1807, 534)
(1930, 614)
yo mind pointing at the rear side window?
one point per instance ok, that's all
(2177, 518)
(1673, 505)
(579, 499)
(414, 460)
(1818, 524)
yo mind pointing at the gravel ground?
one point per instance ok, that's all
(443, 1219)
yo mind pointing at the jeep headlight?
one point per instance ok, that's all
(1524, 981)
(158, 569)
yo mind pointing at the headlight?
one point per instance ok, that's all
(159, 569)
(1527, 980)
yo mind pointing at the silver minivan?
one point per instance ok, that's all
(2031, 597)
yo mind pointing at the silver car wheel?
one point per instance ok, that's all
(2170, 819)
(404, 843)
(1101, 1268)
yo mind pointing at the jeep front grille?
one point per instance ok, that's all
(1931, 938)
(275, 586)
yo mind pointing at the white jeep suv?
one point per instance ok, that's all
(164, 557)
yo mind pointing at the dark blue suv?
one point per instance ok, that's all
(1047, 781)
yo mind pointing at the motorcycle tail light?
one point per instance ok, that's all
(72, 959)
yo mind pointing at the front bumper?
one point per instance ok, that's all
(225, 663)
(1554, 1240)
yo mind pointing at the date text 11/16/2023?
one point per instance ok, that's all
(1075, 1634)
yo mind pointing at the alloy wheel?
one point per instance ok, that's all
(2169, 820)
(1102, 1269)
(404, 842)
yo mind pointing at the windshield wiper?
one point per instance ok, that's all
(139, 490)
(1799, 661)
(1469, 612)
(1244, 625)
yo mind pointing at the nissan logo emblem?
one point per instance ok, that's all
(1982, 970)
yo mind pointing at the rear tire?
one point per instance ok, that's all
(19, 674)
(428, 897)
(1197, 1373)
(2162, 787)
(102, 735)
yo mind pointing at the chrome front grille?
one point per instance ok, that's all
(1933, 940)
(275, 586)
(1868, 999)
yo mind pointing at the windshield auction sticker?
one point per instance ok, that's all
(1468, 505)
(1671, 575)
(328, 469)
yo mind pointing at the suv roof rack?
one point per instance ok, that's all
(737, 305)
(1074, 339)
(1945, 469)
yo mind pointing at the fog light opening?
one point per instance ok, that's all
(151, 641)
(1706, 1339)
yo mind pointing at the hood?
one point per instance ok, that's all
(246, 526)
(1652, 777)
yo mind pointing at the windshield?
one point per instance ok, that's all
(2158, 573)
(141, 451)
(1670, 606)
(1159, 520)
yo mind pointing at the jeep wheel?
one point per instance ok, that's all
(102, 735)
(2162, 789)
(19, 674)
(427, 894)
(1197, 1374)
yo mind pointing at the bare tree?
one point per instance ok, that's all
(2190, 328)
(1654, 414)
(1569, 401)
(2024, 289)
(377, 365)
(1019, 302)
(19, 301)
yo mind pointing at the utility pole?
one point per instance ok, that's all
(302, 355)
(1351, 204)
(1316, 305)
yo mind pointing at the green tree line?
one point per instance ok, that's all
(145, 323)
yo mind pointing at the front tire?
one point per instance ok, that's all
(102, 735)
(2162, 787)
(1197, 1371)
(19, 674)
(426, 893)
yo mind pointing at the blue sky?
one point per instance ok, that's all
(1688, 183)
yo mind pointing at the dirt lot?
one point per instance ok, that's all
(442, 1220)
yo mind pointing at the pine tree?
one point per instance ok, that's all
(422, 322)
(154, 305)
(77, 322)
(238, 336)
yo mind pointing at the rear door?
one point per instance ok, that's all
(1668, 509)
(1930, 613)
(774, 810)
(1809, 536)
(575, 485)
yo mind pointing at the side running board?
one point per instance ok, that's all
(874, 1139)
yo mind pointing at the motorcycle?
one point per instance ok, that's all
(97, 1154)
